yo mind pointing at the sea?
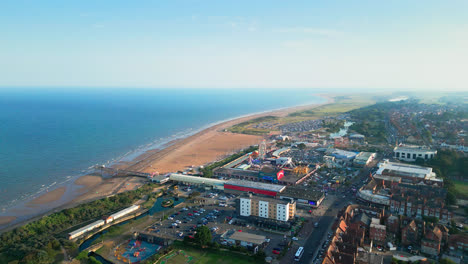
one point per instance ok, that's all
(51, 136)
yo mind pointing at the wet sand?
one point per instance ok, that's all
(49, 197)
(6, 219)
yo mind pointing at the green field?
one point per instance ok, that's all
(340, 105)
(191, 256)
(462, 189)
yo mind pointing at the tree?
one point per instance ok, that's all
(446, 261)
(260, 256)
(451, 197)
(301, 146)
(216, 246)
(203, 236)
(194, 194)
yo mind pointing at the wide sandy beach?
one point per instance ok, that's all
(206, 146)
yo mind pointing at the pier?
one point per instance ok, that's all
(105, 171)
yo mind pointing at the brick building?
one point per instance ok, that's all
(458, 242)
(393, 224)
(431, 243)
(377, 232)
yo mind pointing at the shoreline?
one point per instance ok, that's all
(196, 148)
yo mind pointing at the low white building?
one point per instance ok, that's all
(245, 239)
(283, 161)
(363, 159)
(411, 153)
(195, 180)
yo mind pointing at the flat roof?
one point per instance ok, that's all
(355, 135)
(238, 172)
(248, 237)
(195, 179)
(302, 193)
(387, 178)
(266, 199)
(256, 185)
(289, 176)
(413, 148)
(364, 155)
(401, 168)
(236, 161)
(340, 152)
(278, 152)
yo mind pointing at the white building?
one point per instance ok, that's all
(364, 158)
(407, 173)
(283, 161)
(411, 153)
(245, 207)
(245, 239)
(282, 212)
(195, 180)
(264, 207)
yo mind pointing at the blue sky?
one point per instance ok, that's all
(406, 44)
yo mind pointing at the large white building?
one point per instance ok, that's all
(407, 173)
(411, 153)
(264, 207)
(195, 180)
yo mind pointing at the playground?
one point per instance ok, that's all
(135, 251)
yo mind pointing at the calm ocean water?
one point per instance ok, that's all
(48, 136)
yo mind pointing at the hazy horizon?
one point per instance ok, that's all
(396, 45)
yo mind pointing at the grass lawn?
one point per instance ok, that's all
(190, 255)
(462, 189)
(342, 104)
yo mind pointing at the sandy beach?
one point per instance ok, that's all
(206, 146)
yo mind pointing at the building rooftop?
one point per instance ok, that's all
(364, 156)
(375, 198)
(195, 179)
(302, 193)
(356, 136)
(237, 161)
(387, 178)
(257, 185)
(339, 153)
(378, 226)
(266, 199)
(248, 237)
(404, 170)
(278, 152)
(239, 172)
(409, 148)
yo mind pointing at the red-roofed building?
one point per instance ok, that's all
(431, 242)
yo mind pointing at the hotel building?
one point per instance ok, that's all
(264, 207)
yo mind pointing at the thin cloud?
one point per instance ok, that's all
(309, 30)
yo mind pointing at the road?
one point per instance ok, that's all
(317, 237)
(326, 215)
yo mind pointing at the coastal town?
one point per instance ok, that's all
(384, 182)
